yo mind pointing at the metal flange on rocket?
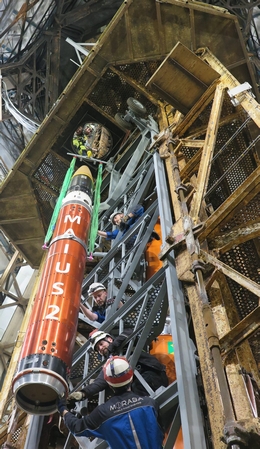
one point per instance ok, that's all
(47, 351)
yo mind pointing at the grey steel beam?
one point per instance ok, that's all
(34, 432)
(191, 415)
(129, 170)
(138, 184)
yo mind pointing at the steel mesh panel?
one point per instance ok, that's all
(141, 71)
(229, 156)
(111, 94)
(16, 436)
(219, 196)
(246, 214)
(129, 292)
(226, 110)
(77, 371)
(227, 173)
(189, 152)
(245, 259)
(131, 318)
(50, 173)
(43, 201)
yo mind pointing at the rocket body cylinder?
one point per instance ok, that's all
(48, 346)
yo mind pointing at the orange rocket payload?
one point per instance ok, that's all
(49, 341)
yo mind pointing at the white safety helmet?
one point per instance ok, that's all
(117, 372)
(112, 216)
(96, 336)
(90, 126)
(95, 287)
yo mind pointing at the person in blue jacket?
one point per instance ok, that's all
(101, 303)
(123, 222)
(126, 420)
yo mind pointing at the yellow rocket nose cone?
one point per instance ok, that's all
(83, 170)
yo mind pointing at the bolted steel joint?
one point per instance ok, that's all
(173, 141)
(197, 265)
(235, 434)
(181, 187)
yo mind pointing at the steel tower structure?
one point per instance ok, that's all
(194, 161)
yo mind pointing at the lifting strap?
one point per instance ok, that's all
(94, 222)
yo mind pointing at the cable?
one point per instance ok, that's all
(29, 124)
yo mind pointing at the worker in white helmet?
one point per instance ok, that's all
(126, 420)
(101, 303)
(125, 222)
(153, 372)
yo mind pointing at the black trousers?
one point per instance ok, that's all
(155, 380)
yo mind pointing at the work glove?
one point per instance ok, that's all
(73, 398)
(125, 218)
(77, 396)
(62, 405)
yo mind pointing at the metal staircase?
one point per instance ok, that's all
(147, 303)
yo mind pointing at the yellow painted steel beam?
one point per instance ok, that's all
(207, 153)
(242, 331)
(243, 194)
(227, 240)
(210, 382)
(10, 267)
(219, 288)
(180, 128)
(246, 100)
(6, 390)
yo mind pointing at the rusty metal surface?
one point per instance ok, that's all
(136, 42)
(125, 58)
(229, 288)
(182, 78)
